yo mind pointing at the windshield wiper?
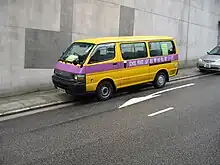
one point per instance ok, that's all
(76, 54)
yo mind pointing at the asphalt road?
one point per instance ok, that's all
(186, 131)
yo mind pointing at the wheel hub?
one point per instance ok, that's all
(105, 91)
(161, 80)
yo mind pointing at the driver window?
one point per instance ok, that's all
(103, 52)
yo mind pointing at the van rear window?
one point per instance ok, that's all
(162, 48)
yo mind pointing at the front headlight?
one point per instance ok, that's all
(200, 60)
(79, 77)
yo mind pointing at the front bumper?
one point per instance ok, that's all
(211, 67)
(70, 86)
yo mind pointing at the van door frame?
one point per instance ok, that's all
(93, 79)
(129, 70)
(164, 65)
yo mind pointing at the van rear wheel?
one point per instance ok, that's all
(160, 80)
(104, 90)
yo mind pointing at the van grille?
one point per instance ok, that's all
(63, 74)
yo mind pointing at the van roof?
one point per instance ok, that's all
(123, 38)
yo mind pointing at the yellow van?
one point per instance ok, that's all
(104, 65)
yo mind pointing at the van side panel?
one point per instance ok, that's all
(97, 72)
(137, 71)
(166, 62)
(170, 66)
(117, 73)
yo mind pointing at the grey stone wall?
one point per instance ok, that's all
(33, 33)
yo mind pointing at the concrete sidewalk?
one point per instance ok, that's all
(43, 99)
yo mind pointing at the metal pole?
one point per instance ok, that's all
(187, 35)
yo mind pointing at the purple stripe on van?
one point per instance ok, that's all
(70, 68)
(104, 67)
(111, 66)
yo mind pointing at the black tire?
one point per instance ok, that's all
(160, 80)
(105, 90)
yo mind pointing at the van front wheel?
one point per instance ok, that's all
(160, 80)
(104, 90)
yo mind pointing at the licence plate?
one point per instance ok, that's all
(60, 89)
(207, 65)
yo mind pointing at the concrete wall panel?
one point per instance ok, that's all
(211, 6)
(5, 54)
(43, 48)
(145, 5)
(3, 12)
(144, 23)
(14, 78)
(128, 3)
(203, 18)
(126, 22)
(150, 24)
(66, 15)
(33, 33)
(77, 36)
(96, 17)
(200, 41)
(198, 4)
(38, 14)
(174, 9)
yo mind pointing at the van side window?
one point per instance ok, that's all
(155, 49)
(140, 50)
(168, 47)
(127, 51)
(133, 51)
(103, 52)
(162, 48)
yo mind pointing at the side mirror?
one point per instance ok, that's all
(208, 53)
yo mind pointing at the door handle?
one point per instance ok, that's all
(115, 63)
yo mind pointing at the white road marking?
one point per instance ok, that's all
(159, 112)
(128, 103)
(174, 88)
(153, 95)
(137, 100)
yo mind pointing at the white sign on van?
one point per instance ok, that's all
(153, 60)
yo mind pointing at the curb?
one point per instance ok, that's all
(33, 108)
(185, 77)
(66, 102)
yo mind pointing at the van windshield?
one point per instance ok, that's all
(76, 53)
